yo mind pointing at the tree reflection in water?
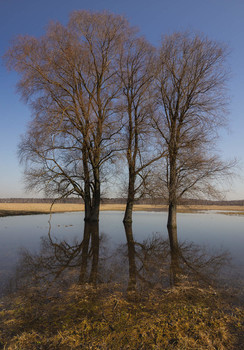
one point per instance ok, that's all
(62, 261)
(152, 263)
(143, 265)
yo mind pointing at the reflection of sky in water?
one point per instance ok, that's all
(210, 229)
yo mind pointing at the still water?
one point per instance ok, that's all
(216, 232)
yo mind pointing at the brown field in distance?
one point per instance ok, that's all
(31, 208)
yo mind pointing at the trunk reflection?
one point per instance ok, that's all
(151, 263)
(131, 256)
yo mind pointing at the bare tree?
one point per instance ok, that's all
(137, 106)
(190, 89)
(69, 76)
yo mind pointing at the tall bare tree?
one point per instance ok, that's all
(69, 76)
(137, 107)
(190, 92)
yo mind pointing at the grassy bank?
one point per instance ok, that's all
(7, 209)
(84, 317)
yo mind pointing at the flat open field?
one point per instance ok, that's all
(7, 209)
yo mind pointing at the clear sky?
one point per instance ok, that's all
(221, 20)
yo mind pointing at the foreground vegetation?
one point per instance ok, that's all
(106, 317)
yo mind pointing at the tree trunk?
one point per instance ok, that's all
(172, 210)
(92, 205)
(87, 193)
(128, 212)
(87, 210)
(92, 209)
(130, 198)
(172, 227)
(94, 215)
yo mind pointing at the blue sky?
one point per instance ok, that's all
(221, 20)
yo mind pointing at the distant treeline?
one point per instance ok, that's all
(122, 201)
(40, 200)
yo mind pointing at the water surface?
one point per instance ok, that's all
(217, 232)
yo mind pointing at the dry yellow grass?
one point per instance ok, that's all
(215, 207)
(181, 208)
(137, 207)
(41, 207)
(67, 207)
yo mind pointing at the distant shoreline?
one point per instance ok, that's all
(14, 209)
